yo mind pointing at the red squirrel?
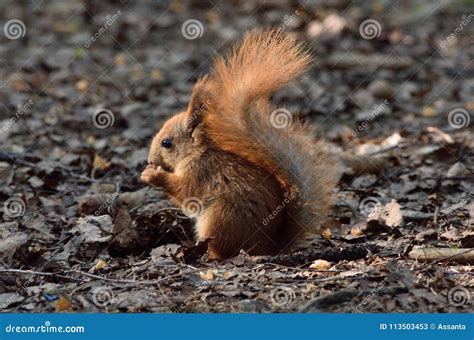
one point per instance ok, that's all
(260, 187)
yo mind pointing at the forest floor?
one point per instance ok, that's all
(79, 232)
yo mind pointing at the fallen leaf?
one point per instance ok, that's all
(429, 111)
(100, 163)
(320, 265)
(7, 299)
(62, 305)
(390, 214)
(163, 254)
(101, 264)
(441, 136)
(125, 235)
(457, 170)
(120, 59)
(156, 74)
(95, 228)
(10, 244)
(207, 276)
(356, 232)
(326, 233)
(82, 85)
(193, 253)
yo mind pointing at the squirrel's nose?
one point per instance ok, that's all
(155, 159)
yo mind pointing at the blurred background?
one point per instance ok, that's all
(140, 59)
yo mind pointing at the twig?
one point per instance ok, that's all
(92, 276)
(32, 272)
(461, 255)
(322, 303)
(355, 252)
(141, 282)
(454, 178)
(435, 218)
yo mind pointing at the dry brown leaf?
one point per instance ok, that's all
(101, 264)
(457, 170)
(208, 275)
(391, 214)
(120, 59)
(213, 17)
(470, 106)
(326, 233)
(82, 85)
(19, 85)
(156, 74)
(440, 135)
(62, 305)
(10, 243)
(100, 163)
(356, 232)
(320, 265)
(429, 111)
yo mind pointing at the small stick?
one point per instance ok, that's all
(92, 276)
(32, 272)
(461, 255)
(435, 219)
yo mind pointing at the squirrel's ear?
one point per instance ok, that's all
(199, 104)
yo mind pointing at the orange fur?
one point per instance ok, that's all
(261, 188)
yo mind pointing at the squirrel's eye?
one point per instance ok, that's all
(166, 143)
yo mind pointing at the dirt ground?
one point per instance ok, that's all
(84, 86)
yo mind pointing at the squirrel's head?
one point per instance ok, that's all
(180, 140)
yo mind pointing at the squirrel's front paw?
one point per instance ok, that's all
(152, 175)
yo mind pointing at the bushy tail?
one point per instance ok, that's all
(309, 172)
(243, 122)
(259, 65)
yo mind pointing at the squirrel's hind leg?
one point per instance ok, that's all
(229, 233)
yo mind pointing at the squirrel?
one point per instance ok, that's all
(251, 184)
